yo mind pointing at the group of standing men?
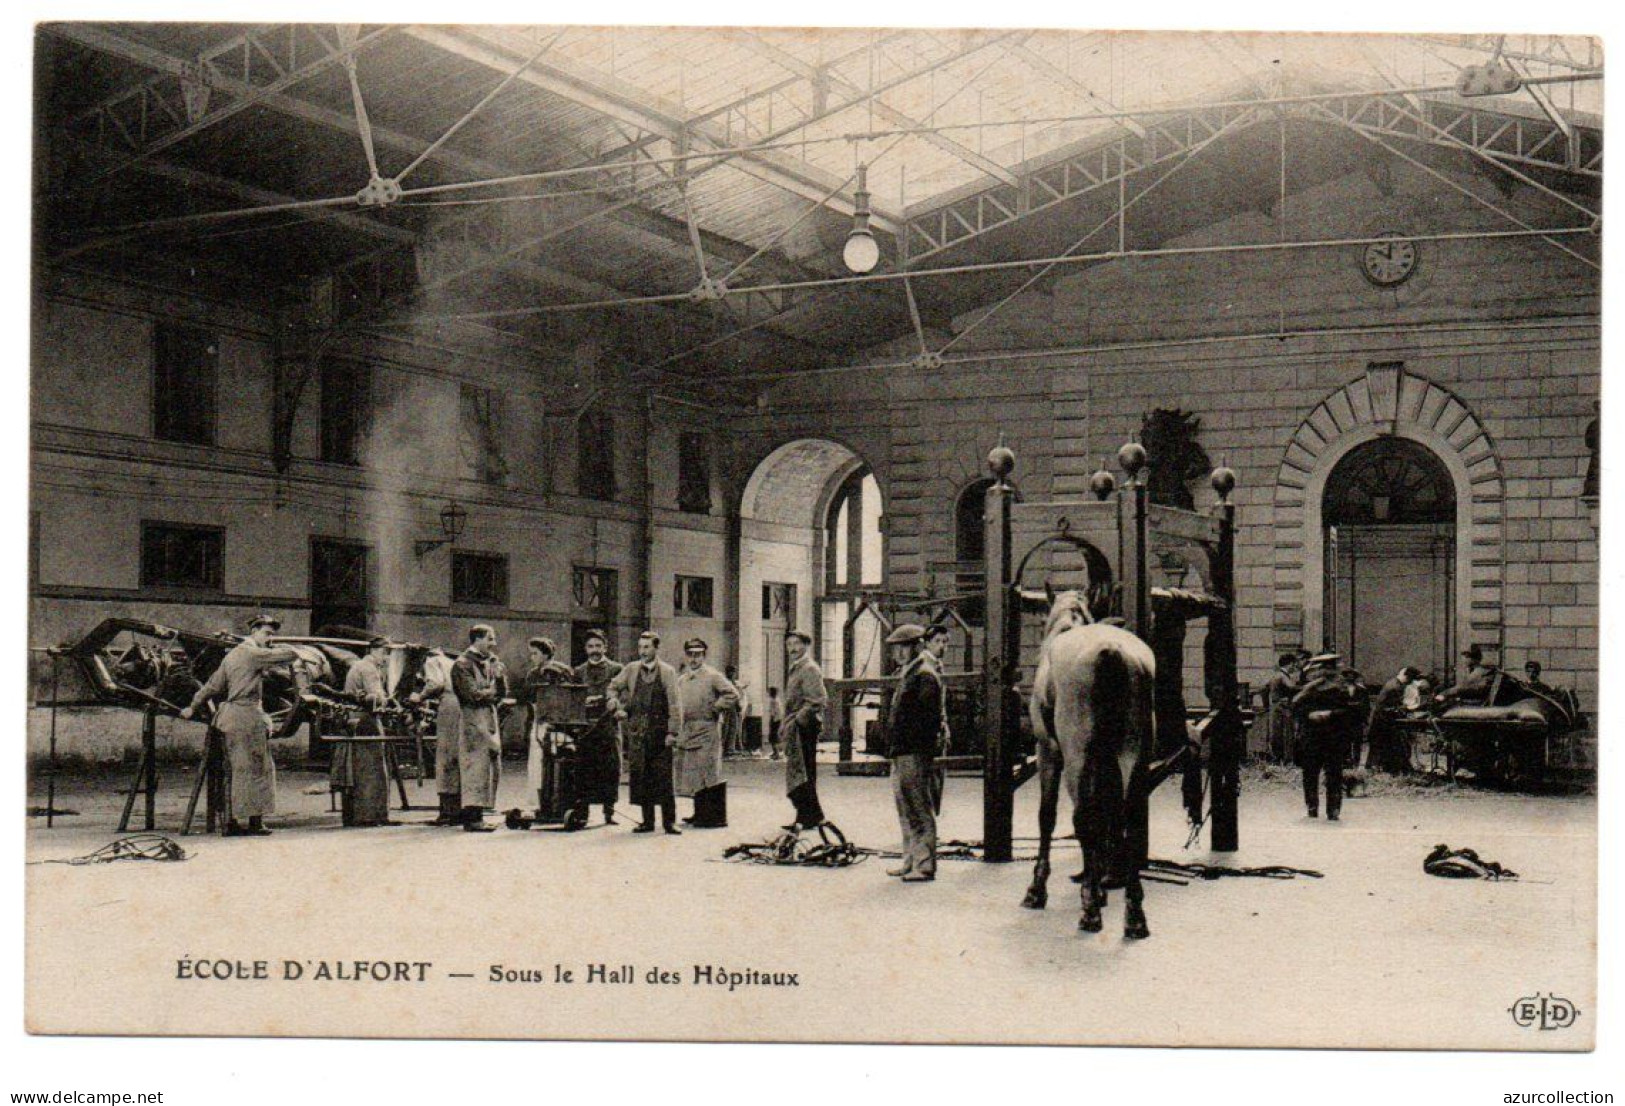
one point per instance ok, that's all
(670, 723)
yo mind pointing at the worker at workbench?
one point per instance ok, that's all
(241, 719)
(359, 773)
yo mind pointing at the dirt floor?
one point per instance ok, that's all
(1374, 954)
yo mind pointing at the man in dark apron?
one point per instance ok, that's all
(644, 697)
(598, 750)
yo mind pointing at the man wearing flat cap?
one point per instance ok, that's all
(803, 707)
(358, 772)
(705, 695)
(1329, 709)
(598, 749)
(241, 719)
(917, 729)
(1475, 685)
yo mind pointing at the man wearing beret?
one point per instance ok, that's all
(705, 695)
(803, 721)
(644, 697)
(598, 750)
(918, 731)
(241, 719)
(1329, 710)
(550, 766)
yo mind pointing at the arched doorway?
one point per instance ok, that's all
(1389, 517)
(810, 542)
(1389, 402)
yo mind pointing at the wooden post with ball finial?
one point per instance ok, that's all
(1002, 645)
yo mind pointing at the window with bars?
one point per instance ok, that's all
(346, 410)
(185, 369)
(479, 434)
(692, 597)
(479, 579)
(694, 473)
(779, 603)
(181, 556)
(595, 591)
(595, 455)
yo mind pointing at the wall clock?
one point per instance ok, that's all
(1389, 261)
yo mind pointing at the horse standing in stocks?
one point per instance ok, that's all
(1091, 710)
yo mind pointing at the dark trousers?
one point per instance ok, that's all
(668, 813)
(1323, 754)
(809, 811)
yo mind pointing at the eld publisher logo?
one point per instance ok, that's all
(1544, 1012)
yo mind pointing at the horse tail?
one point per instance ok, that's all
(1110, 695)
(1113, 747)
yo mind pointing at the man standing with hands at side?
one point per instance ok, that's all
(241, 720)
(360, 768)
(803, 721)
(918, 725)
(644, 697)
(477, 680)
(705, 696)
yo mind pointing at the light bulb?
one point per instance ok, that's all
(862, 252)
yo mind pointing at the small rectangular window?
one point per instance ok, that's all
(595, 591)
(479, 435)
(692, 597)
(178, 556)
(479, 579)
(346, 410)
(595, 455)
(184, 363)
(694, 473)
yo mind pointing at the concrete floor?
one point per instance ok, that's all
(1375, 954)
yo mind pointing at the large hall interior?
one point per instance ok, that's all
(766, 336)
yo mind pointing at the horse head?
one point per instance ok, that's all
(1066, 610)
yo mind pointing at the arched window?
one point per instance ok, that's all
(1390, 480)
(970, 534)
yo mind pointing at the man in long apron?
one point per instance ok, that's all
(476, 680)
(644, 697)
(598, 750)
(448, 721)
(705, 695)
(358, 771)
(917, 727)
(241, 719)
(803, 721)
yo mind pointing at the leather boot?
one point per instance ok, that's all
(448, 815)
(474, 821)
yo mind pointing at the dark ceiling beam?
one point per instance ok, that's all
(651, 227)
(194, 82)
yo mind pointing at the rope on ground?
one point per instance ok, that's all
(1220, 871)
(830, 849)
(139, 846)
(1449, 863)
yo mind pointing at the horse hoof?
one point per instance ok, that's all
(1035, 900)
(1090, 922)
(1136, 932)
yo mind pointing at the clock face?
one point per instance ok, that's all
(1390, 261)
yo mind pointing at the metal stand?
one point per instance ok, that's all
(211, 775)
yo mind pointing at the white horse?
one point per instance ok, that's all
(1091, 711)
